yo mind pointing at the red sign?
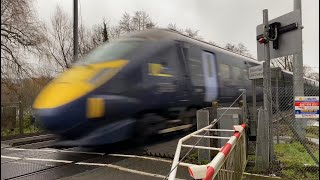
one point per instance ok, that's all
(306, 103)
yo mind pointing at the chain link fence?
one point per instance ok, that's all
(295, 140)
(17, 120)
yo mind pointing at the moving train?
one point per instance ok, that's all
(146, 82)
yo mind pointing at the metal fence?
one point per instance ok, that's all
(234, 165)
(229, 151)
(17, 120)
(294, 147)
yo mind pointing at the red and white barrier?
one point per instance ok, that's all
(198, 171)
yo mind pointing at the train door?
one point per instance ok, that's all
(184, 82)
(162, 77)
(210, 76)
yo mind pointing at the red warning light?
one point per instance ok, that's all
(262, 40)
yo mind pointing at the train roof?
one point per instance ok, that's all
(169, 34)
(161, 34)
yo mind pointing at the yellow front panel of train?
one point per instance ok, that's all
(73, 84)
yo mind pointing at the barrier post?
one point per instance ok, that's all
(203, 121)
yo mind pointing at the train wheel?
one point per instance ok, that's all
(149, 125)
(189, 117)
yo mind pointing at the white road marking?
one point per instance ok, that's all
(186, 126)
(140, 157)
(149, 158)
(54, 150)
(36, 159)
(10, 157)
(92, 164)
(124, 169)
(48, 160)
(22, 163)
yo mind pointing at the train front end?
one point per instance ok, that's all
(76, 105)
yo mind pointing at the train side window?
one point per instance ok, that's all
(245, 74)
(163, 63)
(225, 71)
(195, 66)
(210, 73)
(236, 71)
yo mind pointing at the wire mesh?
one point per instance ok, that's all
(234, 165)
(295, 140)
(14, 123)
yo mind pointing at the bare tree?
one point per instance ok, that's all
(188, 31)
(174, 27)
(139, 21)
(85, 40)
(21, 34)
(239, 48)
(286, 63)
(115, 32)
(192, 33)
(96, 36)
(100, 33)
(59, 41)
(313, 75)
(30, 88)
(126, 24)
(213, 43)
(310, 73)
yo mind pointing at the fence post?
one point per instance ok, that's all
(262, 144)
(20, 118)
(203, 121)
(244, 106)
(253, 128)
(214, 114)
(277, 101)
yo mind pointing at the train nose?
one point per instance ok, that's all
(61, 119)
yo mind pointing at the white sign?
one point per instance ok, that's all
(306, 106)
(256, 72)
(289, 42)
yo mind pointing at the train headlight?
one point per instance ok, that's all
(95, 108)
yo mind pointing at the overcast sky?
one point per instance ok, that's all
(221, 21)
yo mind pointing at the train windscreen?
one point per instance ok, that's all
(110, 51)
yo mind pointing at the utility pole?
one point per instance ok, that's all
(298, 82)
(75, 30)
(267, 84)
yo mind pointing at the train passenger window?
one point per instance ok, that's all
(195, 66)
(209, 62)
(245, 74)
(236, 73)
(225, 71)
(163, 63)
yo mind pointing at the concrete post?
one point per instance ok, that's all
(267, 84)
(203, 121)
(300, 124)
(262, 145)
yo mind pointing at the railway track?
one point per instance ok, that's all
(31, 141)
(126, 157)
